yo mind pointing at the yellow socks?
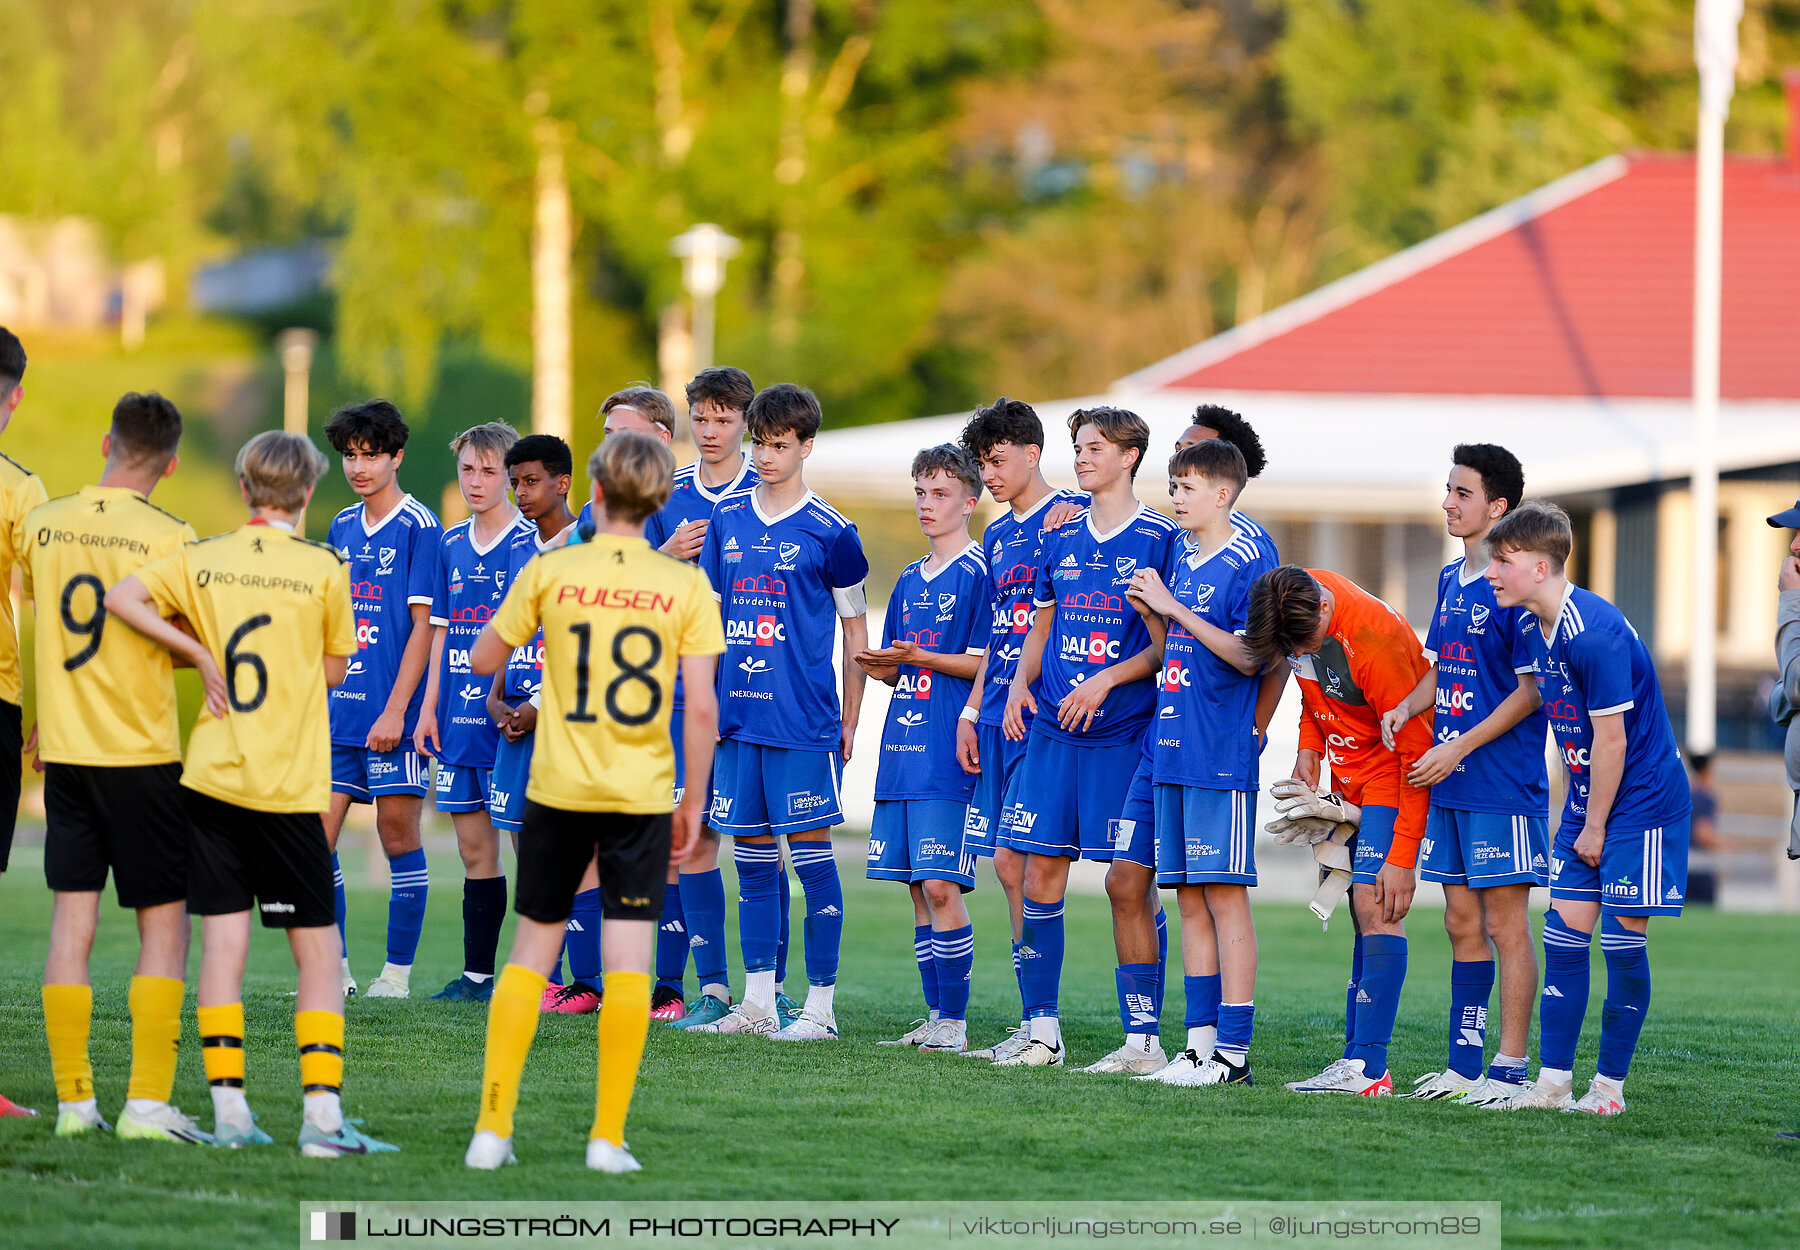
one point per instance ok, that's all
(155, 1036)
(512, 1023)
(624, 1023)
(222, 1045)
(68, 1012)
(321, 1038)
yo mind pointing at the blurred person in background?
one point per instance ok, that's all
(1785, 698)
(1703, 878)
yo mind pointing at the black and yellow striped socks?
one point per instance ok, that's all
(321, 1038)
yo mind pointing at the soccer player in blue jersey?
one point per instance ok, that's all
(390, 540)
(1621, 851)
(1486, 838)
(784, 563)
(1006, 440)
(1206, 744)
(454, 726)
(694, 898)
(540, 468)
(1087, 666)
(934, 636)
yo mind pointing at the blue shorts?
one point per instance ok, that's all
(1483, 849)
(1374, 839)
(1641, 873)
(760, 790)
(1136, 843)
(1067, 799)
(461, 789)
(920, 840)
(366, 775)
(507, 782)
(1205, 837)
(1000, 760)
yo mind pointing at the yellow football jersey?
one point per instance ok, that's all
(617, 617)
(105, 693)
(270, 607)
(20, 492)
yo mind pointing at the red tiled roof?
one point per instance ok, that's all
(1584, 288)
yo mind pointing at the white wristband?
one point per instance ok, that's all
(970, 714)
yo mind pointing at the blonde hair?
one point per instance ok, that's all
(644, 398)
(277, 468)
(495, 439)
(1537, 528)
(635, 473)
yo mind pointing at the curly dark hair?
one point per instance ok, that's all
(545, 449)
(1502, 476)
(1003, 421)
(374, 423)
(1284, 614)
(1231, 427)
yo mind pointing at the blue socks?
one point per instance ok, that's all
(786, 898)
(926, 958)
(703, 910)
(1202, 1001)
(671, 942)
(484, 911)
(1236, 1020)
(338, 902)
(1356, 971)
(583, 938)
(1471, 982)
(1162, 957)
(759, 910)
(824, 928)
(409, 883)
(1378, 999)
(1041, 954)
(1140, 989)
(1627, 996)
(953, 951)
(1564, 1003)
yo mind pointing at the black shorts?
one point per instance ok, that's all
(12, 747)
(554, 849)
(129, 819)
(277, 861)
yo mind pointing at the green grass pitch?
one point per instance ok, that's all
(1692, 1163)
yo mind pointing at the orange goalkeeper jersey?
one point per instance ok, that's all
(1370, 661)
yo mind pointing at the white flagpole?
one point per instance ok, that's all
(1715, 52)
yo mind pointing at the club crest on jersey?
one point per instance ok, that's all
(1203, 595)
(1125, 566)
(946, 607)
(387, 560)
(1478, 614)
(789, 553)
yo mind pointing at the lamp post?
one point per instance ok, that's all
(703, 249)
(296, 347)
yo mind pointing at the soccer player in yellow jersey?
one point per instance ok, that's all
(20, 492)
(619, 618)
(272, 629)
(111, 747)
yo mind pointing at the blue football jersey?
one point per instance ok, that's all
(1596, 665)
(690, 500)
(393, 565)
(525, 666)
(944, 610)
(1084, 573)
(1205, 732)
(1480, 649)
(471, 582)
(1012, 545)
(776, 577)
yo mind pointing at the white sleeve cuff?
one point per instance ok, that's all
(1611, 711)
(1043, 603)
(440, 620)
(851, 600)
(976, 651)
(424, 599)
(537, 698)
(1430, 656)
(1526, 668)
